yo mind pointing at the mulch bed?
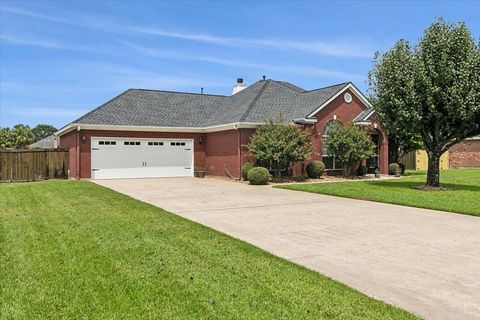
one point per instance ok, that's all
(430, 188)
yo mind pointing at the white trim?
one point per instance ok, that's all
(474, 138)
(229, 126)
(305, 121)
(349, 86)
(369, 115)
(363, 123)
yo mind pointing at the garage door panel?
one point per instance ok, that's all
(141, 158)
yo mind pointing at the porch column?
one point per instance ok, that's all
(384, 154)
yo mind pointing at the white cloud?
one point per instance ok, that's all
(286, 69)
(30, 42)
(340, 48)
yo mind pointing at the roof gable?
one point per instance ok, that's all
(346, 86)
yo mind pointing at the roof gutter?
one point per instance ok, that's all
(223, 127)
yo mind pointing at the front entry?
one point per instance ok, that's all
(374, 161)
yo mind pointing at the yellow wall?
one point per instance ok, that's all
(422, 160)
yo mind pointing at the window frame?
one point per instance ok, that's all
(325, 155)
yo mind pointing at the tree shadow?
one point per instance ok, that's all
(413, 184)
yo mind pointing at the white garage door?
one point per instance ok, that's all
(141, 158)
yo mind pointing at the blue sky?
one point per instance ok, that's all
(59, 60)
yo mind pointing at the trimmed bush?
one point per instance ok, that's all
(245, 168)
(362, 170)
(315, 169)
(392, 168)
(300, 178)
(258, 176)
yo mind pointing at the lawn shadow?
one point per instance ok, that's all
(407, 184)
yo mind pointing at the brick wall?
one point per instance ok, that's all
(465, 154)
(69, 141)
(344, 112)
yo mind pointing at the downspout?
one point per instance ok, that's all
(239, 153)
(78, 152)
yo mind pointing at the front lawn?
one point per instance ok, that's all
(73, 249)
(463, 196)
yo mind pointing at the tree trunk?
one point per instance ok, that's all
(393, 154)
(433, 174)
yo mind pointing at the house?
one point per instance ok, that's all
(50, 142)
(465, 154)
(151, 133)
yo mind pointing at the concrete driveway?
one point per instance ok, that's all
(425, 261)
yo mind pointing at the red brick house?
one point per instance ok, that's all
(150, 133)
(465, 154)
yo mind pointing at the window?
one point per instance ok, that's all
(155, 143)
(107, 143)
(131, 143)
(177, 143)
(374, 161)
(327, 158)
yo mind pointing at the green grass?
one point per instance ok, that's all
(463, 196)
(73, 249)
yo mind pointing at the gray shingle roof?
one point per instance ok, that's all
(45, 143)
(256, 103)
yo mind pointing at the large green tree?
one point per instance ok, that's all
(20, 136)
(279, 145)
(6, 140)
(349, 144)
(440, 95)
(42, 131)
(392, 93)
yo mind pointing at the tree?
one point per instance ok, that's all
(442, 74)
(279, 145)
(42, 131)
(391, 82)
(349, 145)
(21, 136)
(6, 140)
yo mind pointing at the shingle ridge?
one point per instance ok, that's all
(334, 85)
(252, 104)
(180, 92)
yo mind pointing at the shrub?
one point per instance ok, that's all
(392, 168)
(258, 176)
(315, 169)
(245, 168)
(349, 144)
(279, 145)
(362, 170)
(300, 178)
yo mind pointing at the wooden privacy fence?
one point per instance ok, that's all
(30, 165)
(418, 160)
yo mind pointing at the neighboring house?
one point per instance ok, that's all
(50, 142)
(465, 154)
(151, 133)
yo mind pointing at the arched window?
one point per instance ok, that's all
(327, 158)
